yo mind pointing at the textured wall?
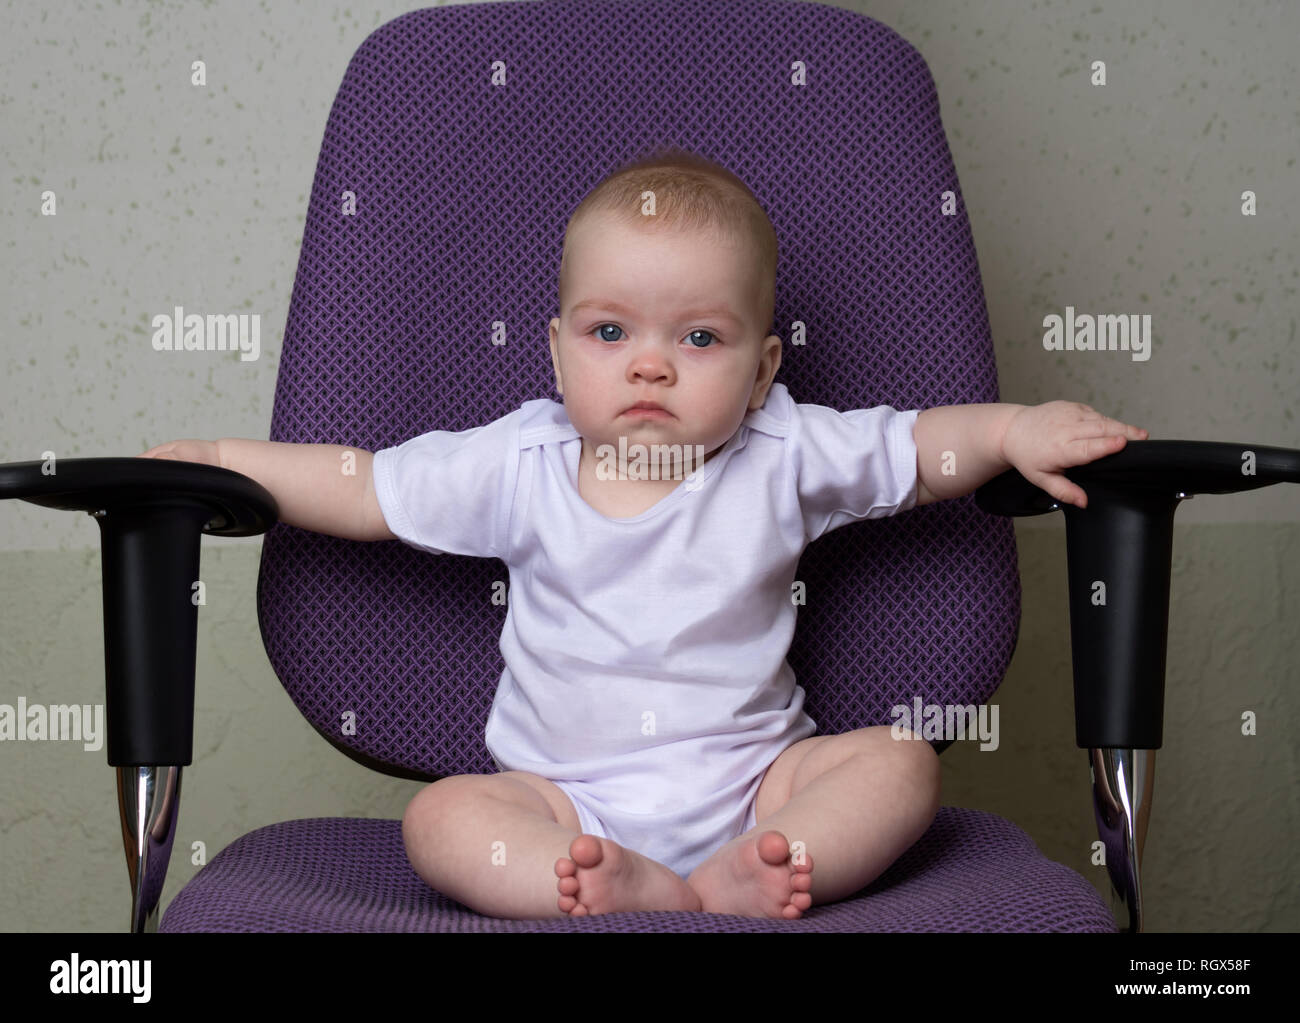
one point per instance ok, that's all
(1122, 198)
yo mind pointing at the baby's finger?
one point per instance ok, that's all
(1098, 438)
(1127, 429)
(1115, 427)
(167, 450)
(1060, 487)
(1082, 450)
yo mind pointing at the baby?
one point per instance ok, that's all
(651, 744)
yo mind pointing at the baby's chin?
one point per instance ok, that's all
(651, 444)
(610, 427)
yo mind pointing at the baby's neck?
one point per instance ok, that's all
(636, 462)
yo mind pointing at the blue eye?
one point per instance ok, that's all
(613, 326)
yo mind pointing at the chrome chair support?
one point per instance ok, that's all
(149, 801)
(1122, 784)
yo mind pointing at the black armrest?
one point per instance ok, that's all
(1119, 551)
(151, 514)
(235, 505)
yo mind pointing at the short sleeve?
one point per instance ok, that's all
(852, 465)
(452, 493)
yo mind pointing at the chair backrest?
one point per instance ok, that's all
(467, 135)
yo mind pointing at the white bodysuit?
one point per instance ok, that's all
(645, 670)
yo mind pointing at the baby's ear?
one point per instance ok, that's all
(555, 354)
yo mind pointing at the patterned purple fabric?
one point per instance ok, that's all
(971, 871)
(463, 188)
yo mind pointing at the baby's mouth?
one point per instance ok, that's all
(647, 410)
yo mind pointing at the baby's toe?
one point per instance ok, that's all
(586, 851)
(773, 847)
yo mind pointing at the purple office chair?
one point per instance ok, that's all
(463, 186)
(466, 136)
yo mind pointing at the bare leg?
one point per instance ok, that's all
(490, 843)
(853, 821)
(494, 843)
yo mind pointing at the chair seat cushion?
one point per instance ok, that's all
(971, 871)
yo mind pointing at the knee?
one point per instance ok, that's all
(433, 805)
(918, 772)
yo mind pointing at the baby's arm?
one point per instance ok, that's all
(326, 488)
(959, 448)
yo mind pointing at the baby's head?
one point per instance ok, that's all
(666, 298)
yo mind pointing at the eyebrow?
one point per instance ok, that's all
(622, 310)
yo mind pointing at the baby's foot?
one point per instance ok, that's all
(601, 876)
(753, 876)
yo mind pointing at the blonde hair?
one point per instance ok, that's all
(690, 193)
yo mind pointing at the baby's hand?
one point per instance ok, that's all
(203, 451)
(1041, 440)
